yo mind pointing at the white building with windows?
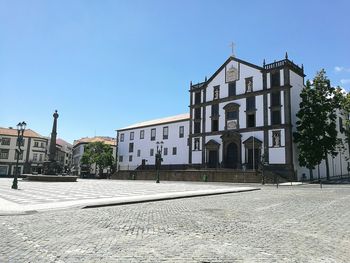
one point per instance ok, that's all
(33, 152)
(242, 115)
(137, 144)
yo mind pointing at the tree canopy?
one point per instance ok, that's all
(316, 134)
(98, 153)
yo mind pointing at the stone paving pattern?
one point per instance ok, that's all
(288, 224)
(31, 192)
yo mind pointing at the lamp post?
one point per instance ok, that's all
(21, 126)
(159, 158)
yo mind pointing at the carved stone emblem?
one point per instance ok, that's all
(231, 74)
(232, 124)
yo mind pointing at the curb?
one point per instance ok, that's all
(137, 200)
(133, 200)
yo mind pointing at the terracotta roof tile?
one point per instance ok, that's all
(27, 133)
(105, 139)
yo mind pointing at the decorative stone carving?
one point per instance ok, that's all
(231, 74)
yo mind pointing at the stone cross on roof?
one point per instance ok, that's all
(232, 45)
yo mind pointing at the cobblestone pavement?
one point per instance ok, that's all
(288, 224)
(38, 196)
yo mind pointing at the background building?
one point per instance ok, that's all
(78, 151)
(137, 144)
(64, 151)
(33, 155)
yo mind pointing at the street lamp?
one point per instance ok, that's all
(159, 158)
(21, 126)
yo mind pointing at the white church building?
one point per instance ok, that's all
(242, 115)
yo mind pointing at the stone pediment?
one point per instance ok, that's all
(252, 140)
(231, 106)
(212, 144)
(231, 136)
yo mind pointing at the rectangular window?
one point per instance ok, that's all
(5, 141)
(131, 147)
(35, 157)
(174, 150)
(197, 127)
(196, 144)
(275, 98)
(36, 144)
(130, 158)
(151, 152)
(41, 158)
(122, 137)
(275, 79)
(165, 132)
(275, 117)
(276, 138)
(165, 151)
(197, 113)
(20, 155)
(138, 153)
(142, 134)
(197, 98)
(232, 88)
(250, 120)
(42, 145)
(232, 115)
(3, 170)
(120, 158)
(22, 142)
(214, 125)
(232, 121)
(250, 104)
(153, 134)
(216, 94)
(215, 110)
(131, 136)
(181, 131)
(249, 84)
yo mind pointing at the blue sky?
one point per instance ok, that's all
(107, 64)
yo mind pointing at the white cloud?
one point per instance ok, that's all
(341, 69)
(338, 69)
(345, 81)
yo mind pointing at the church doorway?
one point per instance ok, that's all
(232, 156)
(213, 159)
(212, 154)
(253, 158)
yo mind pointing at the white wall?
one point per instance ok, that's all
(277, 155)
(144, 145)
(245, 71)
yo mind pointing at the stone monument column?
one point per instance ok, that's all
(52, 150)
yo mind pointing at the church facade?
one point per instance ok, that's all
(245, 114)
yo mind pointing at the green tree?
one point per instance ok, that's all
(98, 153)
(316, 134)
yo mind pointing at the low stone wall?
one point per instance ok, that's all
(50, 178)
(192, 175)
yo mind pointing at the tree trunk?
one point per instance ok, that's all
(327, 167)
(311, 175)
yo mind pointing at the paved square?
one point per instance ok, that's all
(38, 196)
(288, 224)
